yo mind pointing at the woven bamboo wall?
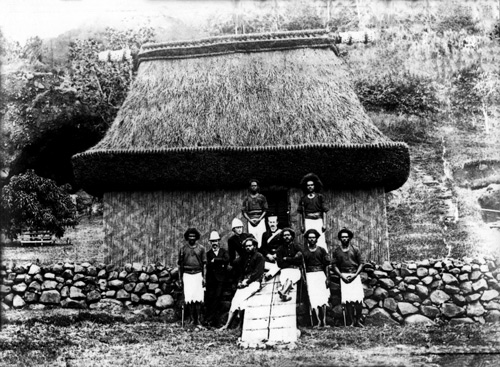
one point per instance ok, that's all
(362, 211)
(149, 226)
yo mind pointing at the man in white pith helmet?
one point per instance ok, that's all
(217, 262)
(234, 243)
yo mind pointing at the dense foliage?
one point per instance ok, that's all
(398, 93)
(31, 202)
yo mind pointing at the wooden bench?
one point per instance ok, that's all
(36, 238)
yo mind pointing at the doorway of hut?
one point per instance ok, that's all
(278, 203)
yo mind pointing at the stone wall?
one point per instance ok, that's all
(459, 291)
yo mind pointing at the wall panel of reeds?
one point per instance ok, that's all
(361, 211)
(149, 226)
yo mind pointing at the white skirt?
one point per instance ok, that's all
(272, 269)
(289, 274)
(316, 289)
(258, 231)
(352, 292)
(317, 224)
(193, 287)
(242, 295)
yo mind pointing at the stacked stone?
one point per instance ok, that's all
(455, 291)
(87, 286)
(458, 291)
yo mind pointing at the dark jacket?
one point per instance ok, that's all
(235, 247)
(270, 246)
(289, 256)
(252, 268)
(216, 271)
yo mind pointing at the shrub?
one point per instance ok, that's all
(401, 93)
(31, 202)
(464, 97)
(457, 18)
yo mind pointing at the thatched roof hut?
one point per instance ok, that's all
(209, 114)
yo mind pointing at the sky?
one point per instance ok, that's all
(21, 19)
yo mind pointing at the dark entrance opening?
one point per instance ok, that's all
(277, 200)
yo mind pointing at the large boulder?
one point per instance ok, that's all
(406, 308)
(50, 297)
(418, 319)
(475, 309)
(165, 301)
(438, 297)
(490, 199)
(451, 310)
(379, 317)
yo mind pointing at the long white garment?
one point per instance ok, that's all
(317, 224)
(271, 269)
(193, 287)
(289, 274)
(352, 292)
(258, 231)
(242, 295)
(316, 289)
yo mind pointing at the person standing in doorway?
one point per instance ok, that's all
(254, 210)
(313, 208)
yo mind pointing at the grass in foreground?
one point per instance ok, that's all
(88, 339)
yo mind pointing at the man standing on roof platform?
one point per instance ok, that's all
(271, 241)
(348, 264)
(312, 207)
(217, 262)
(192, 274)
(289, 259)
(317, 263)
(254, 210)
(249, 281)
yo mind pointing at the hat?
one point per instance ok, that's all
(312, 230)
(236, 223)
(292, 232)
(214, 235)
(192, 230)
(345, 230)
(251, 238)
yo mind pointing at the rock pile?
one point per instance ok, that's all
(458, 291)
(89, 286)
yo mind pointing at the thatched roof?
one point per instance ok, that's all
(209, 108)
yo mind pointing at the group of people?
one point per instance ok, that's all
(264, 252)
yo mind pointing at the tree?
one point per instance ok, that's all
(31, 202)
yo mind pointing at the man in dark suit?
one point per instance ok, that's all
(217, 261)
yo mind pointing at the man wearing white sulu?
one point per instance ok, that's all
(317, 263)
(254, 210)
(289, 259)
(348, 263)
(192, 263)
(313, 208)
(252, 271)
